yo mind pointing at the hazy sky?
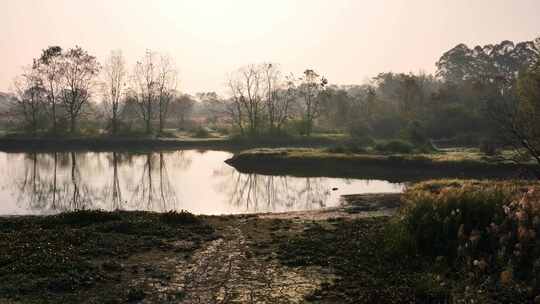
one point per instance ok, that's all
(347, 41)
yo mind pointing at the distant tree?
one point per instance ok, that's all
(310, 88)
(143, 91)
(280, 94)
(518, 116)
(49, 66)
(166, 87)
(213, 106)
(114, 87)
(485, 63)
(182, 107)
(30, 100)
(247, 103)
(79, 70)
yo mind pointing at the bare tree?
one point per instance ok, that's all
(516, 111)
(279, 96)
(49, 66)
(312, 84)
(143, 90)
(114, 87)
(30, 99)
(78, 72)
(166, 88)
(247, 90)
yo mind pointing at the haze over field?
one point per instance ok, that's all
(349, 41)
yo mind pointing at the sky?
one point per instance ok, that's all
(346, 41)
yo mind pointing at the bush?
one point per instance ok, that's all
(435, 217)
(394, 146)
(201, 132)
(415, 134)
(486, 229)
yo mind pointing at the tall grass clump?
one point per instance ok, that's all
(491, 230)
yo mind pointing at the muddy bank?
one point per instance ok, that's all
(394, 168)
(336, 255)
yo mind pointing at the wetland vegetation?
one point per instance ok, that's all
(117, 187)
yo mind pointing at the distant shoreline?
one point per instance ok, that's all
(391, 167)
(125, 144)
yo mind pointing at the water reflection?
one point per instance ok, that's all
(42, 183)
(262, 193)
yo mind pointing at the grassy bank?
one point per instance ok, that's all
(393, 167)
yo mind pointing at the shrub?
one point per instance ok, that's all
(485, 229)
(394, 146)
(434, 218)
(201, 132)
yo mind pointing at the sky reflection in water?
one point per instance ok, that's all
(197, 181)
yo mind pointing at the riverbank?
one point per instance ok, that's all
(129, 144)
(351, 254)
(391, 167)
(138, 257)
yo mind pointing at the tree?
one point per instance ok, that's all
(49, 66)
(311, 86)
(518, 116)
(78, 72)
(31, 98)
(485, 63)
(247, 90)
(114, 87)
(166, 87)
(279, 96)
(144, 87)
(182, 107)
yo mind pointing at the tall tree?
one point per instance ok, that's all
(311, 86)
(518, 117)
(49, 66)
(279, 96)
(31, 98)
(79, 70)
(248, 95)
(166, 87)
(114, 87)
(144, 88)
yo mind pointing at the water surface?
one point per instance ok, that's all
(196, 181)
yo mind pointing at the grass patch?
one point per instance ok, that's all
(65, 258)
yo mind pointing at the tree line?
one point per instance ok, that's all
(477, 94)
(62, 86)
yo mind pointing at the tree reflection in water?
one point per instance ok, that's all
(263, 193)
(148, 196)
(155, 181)
(45, 192)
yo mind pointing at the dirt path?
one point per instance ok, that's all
(233, 269)
(227, 271)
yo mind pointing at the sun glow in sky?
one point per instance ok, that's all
(347, 41)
